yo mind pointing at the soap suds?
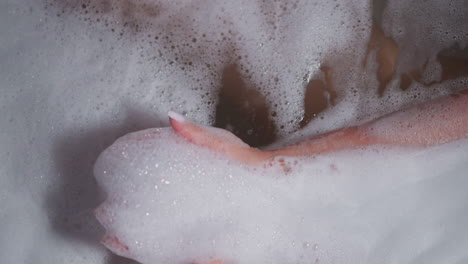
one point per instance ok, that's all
(76, 75)
(173, 202)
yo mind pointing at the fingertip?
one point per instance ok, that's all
(177, 121)
(176, 116)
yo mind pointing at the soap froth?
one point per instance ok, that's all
(78, 74)
(170, 202)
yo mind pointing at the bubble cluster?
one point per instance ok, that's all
(173, 202)
(76, 75)
(280, 50)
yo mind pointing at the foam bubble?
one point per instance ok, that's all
(173, 202)
(408, 23)
(182, 50)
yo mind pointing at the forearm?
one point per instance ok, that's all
(434, 122)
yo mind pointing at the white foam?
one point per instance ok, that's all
(74, 78)
(408, 23)
(179, 49)
(173, 202)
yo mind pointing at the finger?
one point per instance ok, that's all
(216, 139)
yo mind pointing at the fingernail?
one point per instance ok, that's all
(176, 116)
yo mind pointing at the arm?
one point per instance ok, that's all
(434, 122)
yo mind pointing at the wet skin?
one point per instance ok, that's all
(435, 122)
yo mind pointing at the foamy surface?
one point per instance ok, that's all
(169, 202)
(76, 75)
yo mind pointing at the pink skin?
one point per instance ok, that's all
(435, 122)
